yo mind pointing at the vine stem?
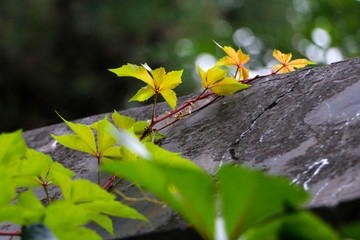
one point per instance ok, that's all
(155, 99)
(17, 233)
(47, 193)
(186, 104)
(99, 173)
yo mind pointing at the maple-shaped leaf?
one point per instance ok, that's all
(287, 65)
(215, 79)
(157, 82)
(234, 58)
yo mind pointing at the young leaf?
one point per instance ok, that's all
(215, 79)
(234, 58)
(158, 82)
(287, 65)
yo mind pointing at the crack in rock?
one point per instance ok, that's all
(231, 149)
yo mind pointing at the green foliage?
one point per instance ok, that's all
(252, 204)
(83, 201)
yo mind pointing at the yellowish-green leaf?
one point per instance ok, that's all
(105, 222)
(74, 142)
(170, 97)
(227, 86)
(113, 208)
(158, 77)
(30, 207)
(13, 147)
(121, 121)
(85, 133)
(105, 140)
(113, 152)
(131, 70)
(143, 94)
(86, 191)
(171, 80)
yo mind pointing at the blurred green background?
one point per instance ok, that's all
(54, 54)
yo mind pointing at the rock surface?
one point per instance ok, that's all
(304, 125)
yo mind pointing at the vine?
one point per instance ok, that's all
(264, 207)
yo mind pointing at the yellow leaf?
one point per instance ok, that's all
(244, 73)
(234, 58)
(215, 79)
(131, 70)
(227, 86)
(170, 97)
(158, 76)
(158, 81)
(171, 80)
(287, 65)
(143, 94)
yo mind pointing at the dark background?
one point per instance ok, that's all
(54, 54)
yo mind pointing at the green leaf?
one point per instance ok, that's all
(351, 231)
(39, 161)
(85, 191)
(61, 176)
(227, 86)
(188, 191)
(7, 188)
(143, 94)
(113, 208)
(113, 152)
(170, 97)
(74, 142)
(121, 121)
(139, 128)
(297, 225)
(131, 70)
(104, 139)
(79, 233)
(129, 141)
(9, 213)
(168, 158)
(249, 197)
(105, 222)
(85, 133)
(13, 147)
(72, 216)
(27, 170)
(30, 208)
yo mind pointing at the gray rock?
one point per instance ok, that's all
(304, 125)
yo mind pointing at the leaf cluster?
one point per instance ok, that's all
(82, 201)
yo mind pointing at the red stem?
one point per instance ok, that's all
(109, 182)
(17, 233)
(186, 104)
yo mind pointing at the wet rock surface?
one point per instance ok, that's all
(304, 125)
